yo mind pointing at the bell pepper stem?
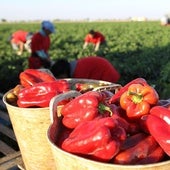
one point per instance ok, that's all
(136, 98)
(103, 108)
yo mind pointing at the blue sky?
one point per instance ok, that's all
(80, 9)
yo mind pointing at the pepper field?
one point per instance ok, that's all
(136, 49)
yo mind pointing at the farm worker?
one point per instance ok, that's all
(92, 67)
(94, 37)
(21, 40)
(40, 45)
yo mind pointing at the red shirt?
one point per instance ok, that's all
(40, 42)
(98, 37)
(19, 36)
(97, 68)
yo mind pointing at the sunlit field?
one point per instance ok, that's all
(136, 49)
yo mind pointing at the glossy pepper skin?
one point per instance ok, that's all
(85, 107)
(138, 99)
(117, 96)
(139, 149)
(29, 77)
(94, 138)
(158, 124)
(40, 94)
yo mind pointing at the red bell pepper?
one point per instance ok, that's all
(40, 94)
(94, 138)
(123, 89)
(155, 156)
(85, 107)
(158, 123)
(161, 112)
(29, 77)
(139, 149)
(138, 99)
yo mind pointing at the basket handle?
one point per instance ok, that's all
(58, 98)
(111, 87)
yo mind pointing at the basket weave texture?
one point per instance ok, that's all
(30, 126)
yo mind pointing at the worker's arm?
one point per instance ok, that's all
(85, 45)
(21, 48)
(97, 46)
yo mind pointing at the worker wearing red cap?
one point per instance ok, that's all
(40, 45)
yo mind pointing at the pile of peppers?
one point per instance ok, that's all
(36, 89)
(131, 127)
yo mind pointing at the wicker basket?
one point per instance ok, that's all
(30, 126)
(67, 161)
